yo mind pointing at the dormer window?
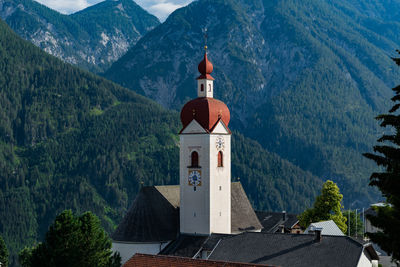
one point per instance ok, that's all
(194, 159)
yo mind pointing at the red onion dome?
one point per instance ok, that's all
(205, 68)
(206, 111)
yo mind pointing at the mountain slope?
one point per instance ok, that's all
(304, 78)
(92, 38)
(72, 140)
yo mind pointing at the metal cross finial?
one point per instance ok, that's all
(205, 39)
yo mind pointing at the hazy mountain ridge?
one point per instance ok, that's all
(92, 38)
(304, 78)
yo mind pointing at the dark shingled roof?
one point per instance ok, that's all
(290, 250)
(154, 215)
(272, 220)
(242, 214)
(189, 245)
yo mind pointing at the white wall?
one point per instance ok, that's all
(208, 209)
(208, 86)
(194, 205)
(364, 261)
(127, 250)
(220, 200)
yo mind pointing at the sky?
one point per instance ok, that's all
(159, 8)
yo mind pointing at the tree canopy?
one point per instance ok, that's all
(387, 156)
(327, 206)
(73, 241)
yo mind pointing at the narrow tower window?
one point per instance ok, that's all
(220, 159)
(209, 87)
(195, 159)
(202, 87)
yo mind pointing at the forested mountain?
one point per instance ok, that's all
(305, 78)
(92, 38)
(72, 140)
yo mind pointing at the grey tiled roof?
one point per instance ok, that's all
(243, 217)
(328, 228)
(154, 215)
(289, 250)
(185, 246)
(189, 245)
(272, 220)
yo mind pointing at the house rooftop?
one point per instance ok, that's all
(328, 228)
(271, 221)
(143, 260)
(291, 250)
(190, 246)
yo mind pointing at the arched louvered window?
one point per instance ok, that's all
(195, 159)
(220, 159)
(202, 87)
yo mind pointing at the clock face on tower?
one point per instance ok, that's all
(195, 178)
(220, 143)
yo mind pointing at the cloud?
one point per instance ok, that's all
(162, 8)
(159, 8)
(65, 6)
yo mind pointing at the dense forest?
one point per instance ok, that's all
(72, 140)
(304, 78)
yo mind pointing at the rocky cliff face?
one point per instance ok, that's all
(304, 78)
(92, 38)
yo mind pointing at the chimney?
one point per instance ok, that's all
(318, 234)
(284, 215)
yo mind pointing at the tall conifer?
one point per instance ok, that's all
(387, 155)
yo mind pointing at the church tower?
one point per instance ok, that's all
(205, 160)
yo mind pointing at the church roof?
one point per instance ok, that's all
(205, 68)
(154, 215)
(242, 213)
(207, 111)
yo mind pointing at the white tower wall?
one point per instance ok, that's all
(208, 88)
(208, 209)
(220, 186)
(194, 206)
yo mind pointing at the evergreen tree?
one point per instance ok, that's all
(327, 206)
(72, 241)
(3, 253)
(388, 181)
